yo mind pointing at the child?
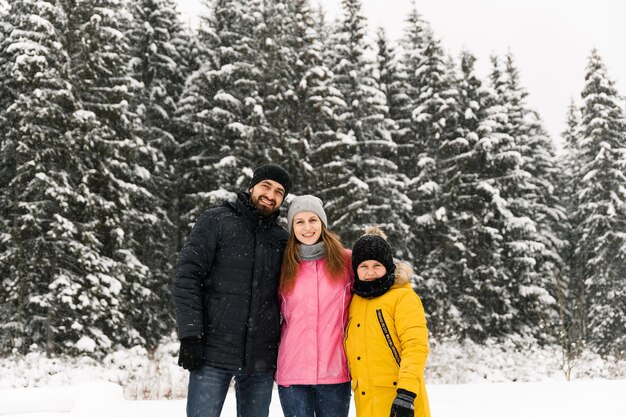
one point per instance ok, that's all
(386, 339)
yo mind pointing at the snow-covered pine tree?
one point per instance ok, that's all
(155, 35)
(567, 191)
(314, 118)
(412, 45)
(433, 124)
(571, 160)
(391, 78)
(471, 245)
(363, 187)
(600, 218)
(498, 179)
(482, 215)
(59, 287)
(4, 101)
(427, 125)
(205, 40)
(218, 109)
(121, 167)
(535, 259)
(302, 104)
(567, 287)
(276, 135)
(5, 171)
(323, 29)
(365, 117)
(4, 21)
(329, 148)
(539, 295)
(157, 39)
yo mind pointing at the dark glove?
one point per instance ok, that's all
(403, 406)
(191, 354)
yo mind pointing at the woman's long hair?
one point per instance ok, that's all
(336, 258)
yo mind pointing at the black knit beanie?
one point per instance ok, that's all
(271, 172)
(372, 247)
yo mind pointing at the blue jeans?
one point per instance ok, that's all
(208, 387)
(329, 400)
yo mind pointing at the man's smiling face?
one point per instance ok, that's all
(267, 196)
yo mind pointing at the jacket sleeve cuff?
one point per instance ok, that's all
(407, 393)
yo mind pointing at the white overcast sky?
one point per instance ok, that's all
(550, 39)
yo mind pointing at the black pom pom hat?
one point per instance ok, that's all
(373, 246)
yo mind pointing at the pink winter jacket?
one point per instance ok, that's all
(315, 314)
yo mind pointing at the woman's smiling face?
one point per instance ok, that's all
(307, 227)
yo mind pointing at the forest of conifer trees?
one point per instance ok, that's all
(119, 125)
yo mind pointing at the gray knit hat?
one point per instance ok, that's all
(306, 203)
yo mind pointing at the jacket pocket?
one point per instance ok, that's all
(217, 307)
(390, 381)
(384, 387)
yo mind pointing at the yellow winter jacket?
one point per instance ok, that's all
(387, 345)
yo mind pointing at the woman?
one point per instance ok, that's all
(387, 338)
(315, 289)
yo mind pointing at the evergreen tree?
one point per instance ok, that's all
(425, 118)
(509, 229)
(393, 83)
(219, 110)
(470, 251)
(365, 117)
(568, 286)
(157, 38)
(413, 45)
(300, 103)
(427, 138)
(570, 139)
(323, 30)
(121, 168)
(478, 217)
(600, 224)
(5, 171)
(535, 259)
(567, 191)
(363, 185)
(279, 62)
(59, 289)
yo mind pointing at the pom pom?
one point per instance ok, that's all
(376, 231)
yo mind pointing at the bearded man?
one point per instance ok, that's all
(225, 293)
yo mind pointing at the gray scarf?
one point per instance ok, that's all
(312, 252)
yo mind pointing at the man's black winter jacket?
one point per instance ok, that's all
(225, 286)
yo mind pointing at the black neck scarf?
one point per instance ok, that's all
(376, 288)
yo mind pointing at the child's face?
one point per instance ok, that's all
(370, 270)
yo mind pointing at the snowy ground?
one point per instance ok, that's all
(537, 399)
(463, 380)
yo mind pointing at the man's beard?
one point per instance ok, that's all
(265, 211)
